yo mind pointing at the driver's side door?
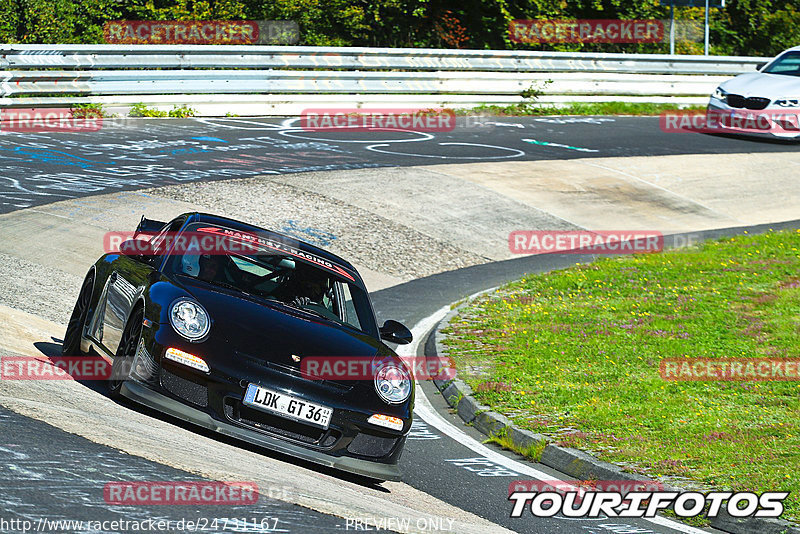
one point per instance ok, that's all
(128, 277)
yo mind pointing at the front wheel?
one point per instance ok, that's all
(72, 337)
(121, 368)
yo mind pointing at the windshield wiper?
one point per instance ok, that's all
(229, 286)
(307, 310)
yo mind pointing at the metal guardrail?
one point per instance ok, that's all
(277, 75)
(304, 57)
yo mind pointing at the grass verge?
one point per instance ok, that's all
(575, 354)
(580, 108)
(533, 451)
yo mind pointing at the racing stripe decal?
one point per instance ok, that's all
(253, 239)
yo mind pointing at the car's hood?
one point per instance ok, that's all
(764, 85)
(272, 332)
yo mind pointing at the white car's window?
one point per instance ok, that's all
(788, 64)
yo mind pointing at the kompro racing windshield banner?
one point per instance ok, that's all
(211, 240)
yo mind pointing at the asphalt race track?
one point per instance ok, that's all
(449, 474)
(128, 154)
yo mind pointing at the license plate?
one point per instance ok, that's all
(287, 406)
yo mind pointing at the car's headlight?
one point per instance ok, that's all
(720, 94)
(393, 383)
(788, 102)
(189, 319)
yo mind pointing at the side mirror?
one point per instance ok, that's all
(395, 332)
(137, 249)
(761, 65)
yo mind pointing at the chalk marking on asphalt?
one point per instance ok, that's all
(239, 123)
(426, 411)
(517, 153)
(559, 145)
(575, 120)
(509, 124)
(289, 124)
(292, 134)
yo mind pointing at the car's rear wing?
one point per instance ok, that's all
(148, 226)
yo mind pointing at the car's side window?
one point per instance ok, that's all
(349, 307)
(788, 64)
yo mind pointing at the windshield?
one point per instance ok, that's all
(788, 64)
(281, 278)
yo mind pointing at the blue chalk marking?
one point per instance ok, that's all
(316, 234)
(216, 139)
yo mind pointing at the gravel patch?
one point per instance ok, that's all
(358, 235)
(36, 289)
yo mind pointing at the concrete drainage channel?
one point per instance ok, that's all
(573, 462)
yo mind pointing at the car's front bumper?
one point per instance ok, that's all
(142, 394)
(214, 400)
(769, 123)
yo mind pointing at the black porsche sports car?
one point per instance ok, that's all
(217, 338)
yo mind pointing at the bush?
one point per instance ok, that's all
(182, 112)
(141, 110)
(88, 111)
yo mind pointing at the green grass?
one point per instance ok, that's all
(142, 110)
(533, 451)
(575, 354)
(88, 111)
(581, 108)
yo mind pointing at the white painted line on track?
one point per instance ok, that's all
(427, 412)
(424, 409)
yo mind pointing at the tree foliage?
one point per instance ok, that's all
(744, 27)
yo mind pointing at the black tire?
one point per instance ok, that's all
(72, 337)
(121, 368)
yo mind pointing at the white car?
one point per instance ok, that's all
(766, 102)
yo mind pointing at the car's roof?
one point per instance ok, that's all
(792, 49)
(245, 227)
